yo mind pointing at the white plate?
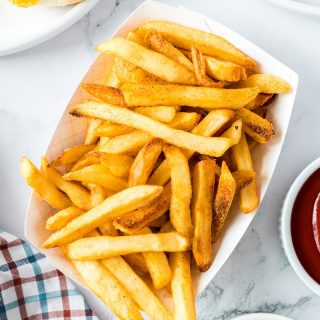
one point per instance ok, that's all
(22, 28)
(305, 6)
(261, 316)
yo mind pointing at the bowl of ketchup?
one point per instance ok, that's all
(300, 226)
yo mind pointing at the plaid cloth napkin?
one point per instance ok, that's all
(32, 289)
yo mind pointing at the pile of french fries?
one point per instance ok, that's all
(167, 151)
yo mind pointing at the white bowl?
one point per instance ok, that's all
(285, 226)
(260, 316)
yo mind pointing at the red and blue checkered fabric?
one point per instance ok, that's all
(30, 288)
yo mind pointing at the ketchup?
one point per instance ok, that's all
(305, 225)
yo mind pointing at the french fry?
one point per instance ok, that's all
(116, 205)
(261, 112)
(95, 248)
(44, 187)
(266, 83)
(79, 196)
(205, 145)
(118, 164)
(111, 130)
(243, 178)
(143, 296)
(181, 286)
(185, 121)
(107, 229)
(144, 162)
(137, 262)
(181, 192)
(132, 222)
(160, 113)
(260, 100)
(97, 174)
(99, 194)
(234, 132)
(90, 137)
(223, 200)
(135, 38)
(61, 218)
(213, 122)
(151, 61)
(241, 157)
(108, 288)
(71, 155)
(183, 37)
(258, 128)
(210, 98)
(201, 208)
(157, 223)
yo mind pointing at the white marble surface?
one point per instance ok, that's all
(35, 86)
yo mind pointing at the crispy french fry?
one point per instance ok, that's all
(78, 195)
(61, 218)
(234, 132)
(111, 130)
(143, 296)
(223, 200)
(90, 137)
(181, 191)
(260, 100)
(97, 174)
(151, 61)
(134, 221)
(44, 187)
(118, 164)
(240, 153)
(108, 288)
(135, 38)
(181, 286)
(205, 145)
(95, 248)
(258, 128)
(116, 205)
(107, 229)
(85, 161)
(183, 37)
(99, 194)
(210, 98)
(243, 178)
(185, 120)
(213, 122)
(202, 200)
(157, 223)
(160, 113)
(144, 162)
(137, 262)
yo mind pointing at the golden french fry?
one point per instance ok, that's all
(234, 132)
(181, 191)
(137, 262)
(258, 128)
(144, 162)
(107, 229)
(206, 145)
(105, 247)
(157, 223)
(44, 187)
(79, 196)
(99, 194)
(243, 178)
(111, 130)
(97, 174)
(118, 164)
(181, 286)
(108, 288)
(151, 61)
(223, 200)
(210, 98)
(213, 122)
(90, 137)
(115, 205)
(201, 208)
(134, 221)
(160, 113)
(85, 161)
(260, 100)
(241, 157)
(183, 37)
(135, 38)
(61, 218)
(111, 78)
(185, 121)
(143, 296)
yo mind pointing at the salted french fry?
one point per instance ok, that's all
(144, 162)
(201, 208)
(256, 127)
(111, 130)
(210, 98)
(243, 178)
(135, 38)
(97, 174)
(143, 296)
(116, 205)
(108, 288)
(151, 61)
(61, 218)
(118, 164)
(79, 196)
(214, 146)
(44, 187)
(213, 122)
(234, 132)
(95, 248)
(266, 83)
(181, 192)
(160, 113)
(90, 137)
(85, 161)
(181, 286)
(241, 157)
(107, 229)
(223, 200)
(157, 223)
(137, 262)
(210, 44)
(185, 120)
(132, 222)
(99, 194)
(260, 100)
